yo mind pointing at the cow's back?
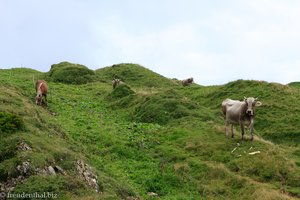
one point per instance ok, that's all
(43, 87)
(231, 110)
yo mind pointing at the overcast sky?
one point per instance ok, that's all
(213, 41)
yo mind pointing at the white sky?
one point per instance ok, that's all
(213, 41)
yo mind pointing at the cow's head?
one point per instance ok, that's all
(251, 103)
(38, 99)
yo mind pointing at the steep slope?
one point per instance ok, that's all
(165, 139)
(37, 154)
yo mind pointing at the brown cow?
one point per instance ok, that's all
(240, 112)
(41, 90)
(187, 82)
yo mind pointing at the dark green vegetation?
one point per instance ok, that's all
(150, 135)
(9, 123)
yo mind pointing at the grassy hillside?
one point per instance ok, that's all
(150, 137)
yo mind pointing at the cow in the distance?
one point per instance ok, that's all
(116, 82)
(241, 113)
(187, 82)
(41, 91)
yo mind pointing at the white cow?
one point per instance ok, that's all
(240, 112)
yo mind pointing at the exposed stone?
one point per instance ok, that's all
(59, 170)
(24, 147)
(41, 171)
(51, 170)
(152, 194)
(24, 171)
(11, 183)
(86, 173)
(24, 167)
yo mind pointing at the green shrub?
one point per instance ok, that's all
(10, 123)
(69, 73)
(8, 168)
(121, 91)
(8, 148)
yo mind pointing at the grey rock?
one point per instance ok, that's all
(51, 170)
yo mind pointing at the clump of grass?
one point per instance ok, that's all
(10, 123)
(69, 73)
(8, 168)
(8, 148)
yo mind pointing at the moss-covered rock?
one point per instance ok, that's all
(70, 73)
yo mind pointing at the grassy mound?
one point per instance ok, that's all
(134, 75)
(294, 84)
(70, 73)
(161, 108)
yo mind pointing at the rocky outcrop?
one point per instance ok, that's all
(23, 171)
(24, 147)
(50, 170)
(86, 173)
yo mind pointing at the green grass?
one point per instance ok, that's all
(151, 135)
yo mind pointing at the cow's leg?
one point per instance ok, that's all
(251, 130)
(46, 102)
(226, 127)
(232, 133)
(243, 130)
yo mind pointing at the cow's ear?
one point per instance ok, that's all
(258, 103)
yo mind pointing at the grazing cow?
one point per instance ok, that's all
(187, 82)
(240, 112)
(116, 82)
(41, 90)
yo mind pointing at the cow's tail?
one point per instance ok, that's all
(224, 110)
